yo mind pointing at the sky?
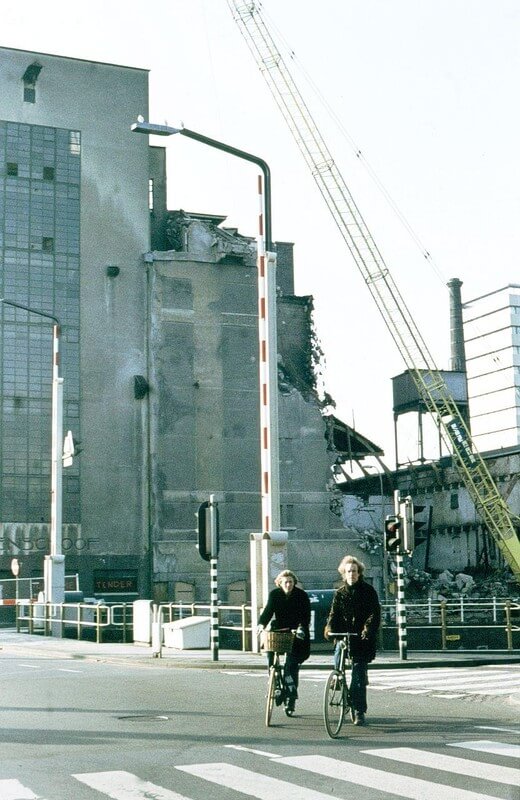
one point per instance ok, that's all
(417, 101)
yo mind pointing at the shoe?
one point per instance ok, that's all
(289, 707)
(278, 697)
(359, 718)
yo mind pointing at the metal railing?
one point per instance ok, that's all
(13, 589)
(230, 618)
(441, 624)
(68, 618)
(454, 623)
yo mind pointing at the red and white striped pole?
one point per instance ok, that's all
(269, 448)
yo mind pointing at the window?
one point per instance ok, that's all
(12, 168)
(29, 79)
(75, 143)
(150, 194)
(48, 173)
(47, 244)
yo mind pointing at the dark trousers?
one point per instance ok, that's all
(358, 682)
(291, 671)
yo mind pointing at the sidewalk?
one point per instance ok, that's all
(13, 643)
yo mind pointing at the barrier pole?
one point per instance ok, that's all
(213, 564)
(401, 608)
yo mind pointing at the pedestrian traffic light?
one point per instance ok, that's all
(392, 534)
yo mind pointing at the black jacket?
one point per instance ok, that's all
(289, 611)
(356, 609)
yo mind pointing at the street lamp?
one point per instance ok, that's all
(271, 536)
(270, 489)
(54, 565)
(165, 130)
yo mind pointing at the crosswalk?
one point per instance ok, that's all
(448, 683)
(403, 772)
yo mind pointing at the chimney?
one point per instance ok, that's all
(458, 353)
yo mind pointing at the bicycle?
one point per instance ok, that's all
(277, 642)
(336, 700)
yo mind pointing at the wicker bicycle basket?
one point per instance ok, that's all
(277, 641)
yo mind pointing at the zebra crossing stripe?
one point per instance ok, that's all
(495, 748)
(120, 785)
(459, 766)
(391, 782)
(253, 784)
(12, 789)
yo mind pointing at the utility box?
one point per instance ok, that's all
(191, 633)
(142, 617)
(321, 601)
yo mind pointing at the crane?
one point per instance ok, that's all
(430, 384)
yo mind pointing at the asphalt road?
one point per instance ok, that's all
(85, 731)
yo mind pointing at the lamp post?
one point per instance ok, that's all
(269, 446)
(54, 565)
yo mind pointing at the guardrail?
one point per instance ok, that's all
(440, 624)
(492, 624)
(230, 618)
(14, 589)
(75, 617)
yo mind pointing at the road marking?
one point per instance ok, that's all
(459, 766)
(120, 785)
(30, 666)
(13, 790)
(496, 748)
(494, 728)
(359, 775)
(63, 669)
(251, 750)
(253, 784)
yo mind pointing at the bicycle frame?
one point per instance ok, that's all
(336, 699)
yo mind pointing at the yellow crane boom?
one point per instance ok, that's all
(432, 388)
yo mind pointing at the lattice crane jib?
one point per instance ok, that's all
(401, 325)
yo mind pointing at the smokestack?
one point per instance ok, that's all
(458, 353)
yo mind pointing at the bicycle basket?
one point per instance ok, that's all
(277, 641)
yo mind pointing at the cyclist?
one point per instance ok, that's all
(291, 608)
(355, 609)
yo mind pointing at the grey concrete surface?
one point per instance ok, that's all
(14, 643)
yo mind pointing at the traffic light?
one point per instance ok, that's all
(419, 523)
(392, 534)
(408, 511)
(208, 530)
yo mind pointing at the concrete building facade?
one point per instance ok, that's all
(492, 342)
(158, 316)
(74, 225)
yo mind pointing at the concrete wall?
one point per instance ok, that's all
(205, 438)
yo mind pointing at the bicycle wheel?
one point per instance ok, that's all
(271, 687)
(334, 703)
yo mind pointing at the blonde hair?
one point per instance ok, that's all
(285, 573)
(351, 560)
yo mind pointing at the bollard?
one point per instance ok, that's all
(156, 633)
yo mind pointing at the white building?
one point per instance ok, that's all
(492, 341)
